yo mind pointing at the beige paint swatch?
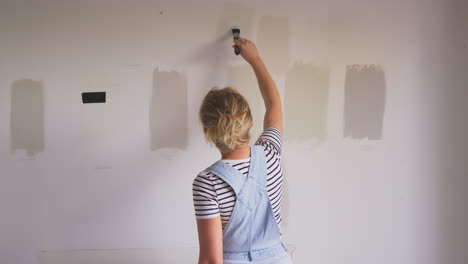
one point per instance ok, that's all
(27, 116)
(168, 110)
(242, 77)
(364, 101)
(273, 42)
(306, 103)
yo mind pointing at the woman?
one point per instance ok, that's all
(237, 199)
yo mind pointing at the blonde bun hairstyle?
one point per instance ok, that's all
(223, 115)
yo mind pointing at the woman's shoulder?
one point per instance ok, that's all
(272, 141)
(207, 175)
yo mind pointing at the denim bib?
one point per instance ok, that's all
(251, 234)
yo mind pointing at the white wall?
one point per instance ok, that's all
(98, 185)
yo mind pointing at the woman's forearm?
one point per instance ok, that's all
(266, 84)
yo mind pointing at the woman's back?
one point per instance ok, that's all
(213, 197)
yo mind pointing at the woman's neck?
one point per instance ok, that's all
(240, 153)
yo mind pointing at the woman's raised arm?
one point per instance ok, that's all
(271, 98)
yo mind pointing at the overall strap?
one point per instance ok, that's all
(231, 175)
(258, 166)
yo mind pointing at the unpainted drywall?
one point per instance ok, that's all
(242, 77)
(306, 103)
(27, 116)
(168, 110)
(273, 42)
(364, 101)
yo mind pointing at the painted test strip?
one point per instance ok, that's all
(27, 116)
(168, 110)
(364, 101)
(306, 103)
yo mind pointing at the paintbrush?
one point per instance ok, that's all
(236, 33)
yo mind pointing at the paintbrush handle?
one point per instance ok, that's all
(235, 33)
(237, 50)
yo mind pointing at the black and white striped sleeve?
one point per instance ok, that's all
(271, 137)
(204, 197)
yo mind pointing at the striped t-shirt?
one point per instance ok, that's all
(213, 197)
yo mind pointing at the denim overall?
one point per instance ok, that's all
(251, 234)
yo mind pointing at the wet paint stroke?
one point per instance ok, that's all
(243, 79)
(27, 116)
(273, 42)
(168, 110)
(364, 107)
(306, 103)
(235, 15)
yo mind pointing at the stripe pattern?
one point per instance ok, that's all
(213, 197)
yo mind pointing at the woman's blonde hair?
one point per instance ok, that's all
(226, 115)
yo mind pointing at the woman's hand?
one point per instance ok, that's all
(248, 50)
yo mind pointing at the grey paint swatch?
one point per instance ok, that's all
(273, 42)
(168, 110)
(364, 101)
(242, 77)
(27, 116)
(306, 102)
